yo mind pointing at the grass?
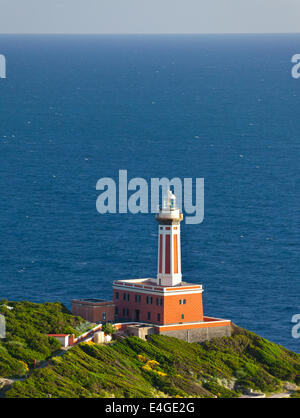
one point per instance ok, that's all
(165, 367)
(26, 327)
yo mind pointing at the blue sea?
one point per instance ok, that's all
(74, 109)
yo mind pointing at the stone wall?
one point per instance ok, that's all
(140, 331)
(199, 334)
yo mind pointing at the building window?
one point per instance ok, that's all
(116, 310)
(158, 316)
(149, 300)
(125, 312)
(117, 295)
(103, 316)
(149, 316)
(159, 301)
(138, 298)
(182, 316)
(182, 301)
(126, 296)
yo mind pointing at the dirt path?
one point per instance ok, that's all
(6, 383)
(281, 395)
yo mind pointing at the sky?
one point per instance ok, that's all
(149, 16)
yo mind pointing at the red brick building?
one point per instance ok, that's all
(144, 301)
(94, 310)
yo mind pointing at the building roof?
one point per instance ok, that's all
(92, 301)
(153, 282)
(58, 335)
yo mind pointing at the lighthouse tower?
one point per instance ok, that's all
(165, 304)
(169, 252)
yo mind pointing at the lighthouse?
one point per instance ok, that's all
(169, 251)
(166, 304)
(165, 299)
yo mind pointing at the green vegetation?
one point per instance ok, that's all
(109, 329)
(26, 327)
(165, 367)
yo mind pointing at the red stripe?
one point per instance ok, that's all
(167, 269)
(160, 253)
(175, 255)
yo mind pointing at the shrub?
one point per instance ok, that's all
(109, 329)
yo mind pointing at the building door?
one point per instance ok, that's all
(137, 315)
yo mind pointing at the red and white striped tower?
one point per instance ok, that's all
(169, 252)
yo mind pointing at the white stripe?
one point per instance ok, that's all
(158, 292)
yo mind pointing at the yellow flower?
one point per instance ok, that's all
(153, 363)
(161, 373)
(24, 365)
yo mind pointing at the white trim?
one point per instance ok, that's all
(158, 254)
(172, 278)
(179, 250)
(172, 253)
(175, 324)
(195, 323)
(164, 254)
(163, 292)
(151, 282)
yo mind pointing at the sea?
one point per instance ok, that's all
(225, 108)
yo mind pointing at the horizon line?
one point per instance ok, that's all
(147, 33)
